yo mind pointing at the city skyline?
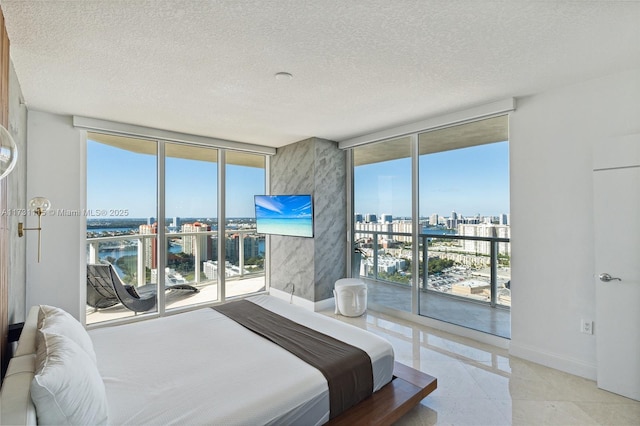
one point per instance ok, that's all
(186, 219)
(427, 216)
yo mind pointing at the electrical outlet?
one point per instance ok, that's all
(586, 326)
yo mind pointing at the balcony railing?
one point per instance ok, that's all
(142, 242)
(476, 260)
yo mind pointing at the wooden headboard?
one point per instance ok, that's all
(4, 231)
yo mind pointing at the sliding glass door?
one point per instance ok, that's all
(122, 205)
(161, 215)
(382, 221)
(431, 224)
(244, 248)
(464, 225)
(191, 224)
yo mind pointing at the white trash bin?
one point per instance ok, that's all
(350, 296)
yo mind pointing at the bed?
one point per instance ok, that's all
(202, 367)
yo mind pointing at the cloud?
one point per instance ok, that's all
(269, 203)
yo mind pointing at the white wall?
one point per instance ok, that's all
(551, 140)
(55, 155)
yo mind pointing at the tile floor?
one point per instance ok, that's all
(479, 384)
(477, 316)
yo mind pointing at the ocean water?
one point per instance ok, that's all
(437, 230)
(299, 227)
(116, 254)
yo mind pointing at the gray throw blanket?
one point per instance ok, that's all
(347, 369)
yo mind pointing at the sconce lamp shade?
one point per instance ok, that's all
(40, 203)
(8, 152)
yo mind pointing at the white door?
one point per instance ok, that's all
(617, 265)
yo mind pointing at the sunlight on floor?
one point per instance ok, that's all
(480, 384)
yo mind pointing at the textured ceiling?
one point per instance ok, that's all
(207, 67)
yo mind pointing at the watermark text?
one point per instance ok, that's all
(67, 212)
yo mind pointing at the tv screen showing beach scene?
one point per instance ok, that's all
(284, 215)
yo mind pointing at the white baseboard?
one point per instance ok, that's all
(307, 304)
(553, 360)
(325, 304)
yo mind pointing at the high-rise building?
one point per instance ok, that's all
(150, 245)
(175, 226)
(210, 269)
(358, 218)
(484, 230)
(433, 219)
(386, 218)
(452, 222)
(403, 226)
(203, 244)
(399, 226)
(371, 218)
(251, 247)
(472, 220)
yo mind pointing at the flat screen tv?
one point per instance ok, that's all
(284, 215)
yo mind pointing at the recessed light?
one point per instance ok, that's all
(283, 76)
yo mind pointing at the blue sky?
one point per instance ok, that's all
(119, 179)
(469, 181)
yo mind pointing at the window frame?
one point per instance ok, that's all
(161, 138)
(413, 131)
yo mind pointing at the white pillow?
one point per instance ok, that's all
(57, 321)
(67, 388)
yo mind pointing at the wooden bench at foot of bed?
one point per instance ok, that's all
(408, 387)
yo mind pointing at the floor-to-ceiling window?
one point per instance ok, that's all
(191, 225)
(161, 221)
(122, 205)
(382, 220)
(464, 225)
(244, 247)
(451, 184)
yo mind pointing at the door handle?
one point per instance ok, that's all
(604, 277)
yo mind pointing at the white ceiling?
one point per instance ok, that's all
(207, 67)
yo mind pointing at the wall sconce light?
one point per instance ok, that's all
(8, 152)
(40, 205)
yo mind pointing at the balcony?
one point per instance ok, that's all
(133, 258)
(480, 274)
(466, 280)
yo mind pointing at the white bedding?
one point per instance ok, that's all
(201, 367)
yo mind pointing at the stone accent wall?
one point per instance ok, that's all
(317, 167)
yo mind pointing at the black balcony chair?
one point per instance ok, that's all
(106, 289)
